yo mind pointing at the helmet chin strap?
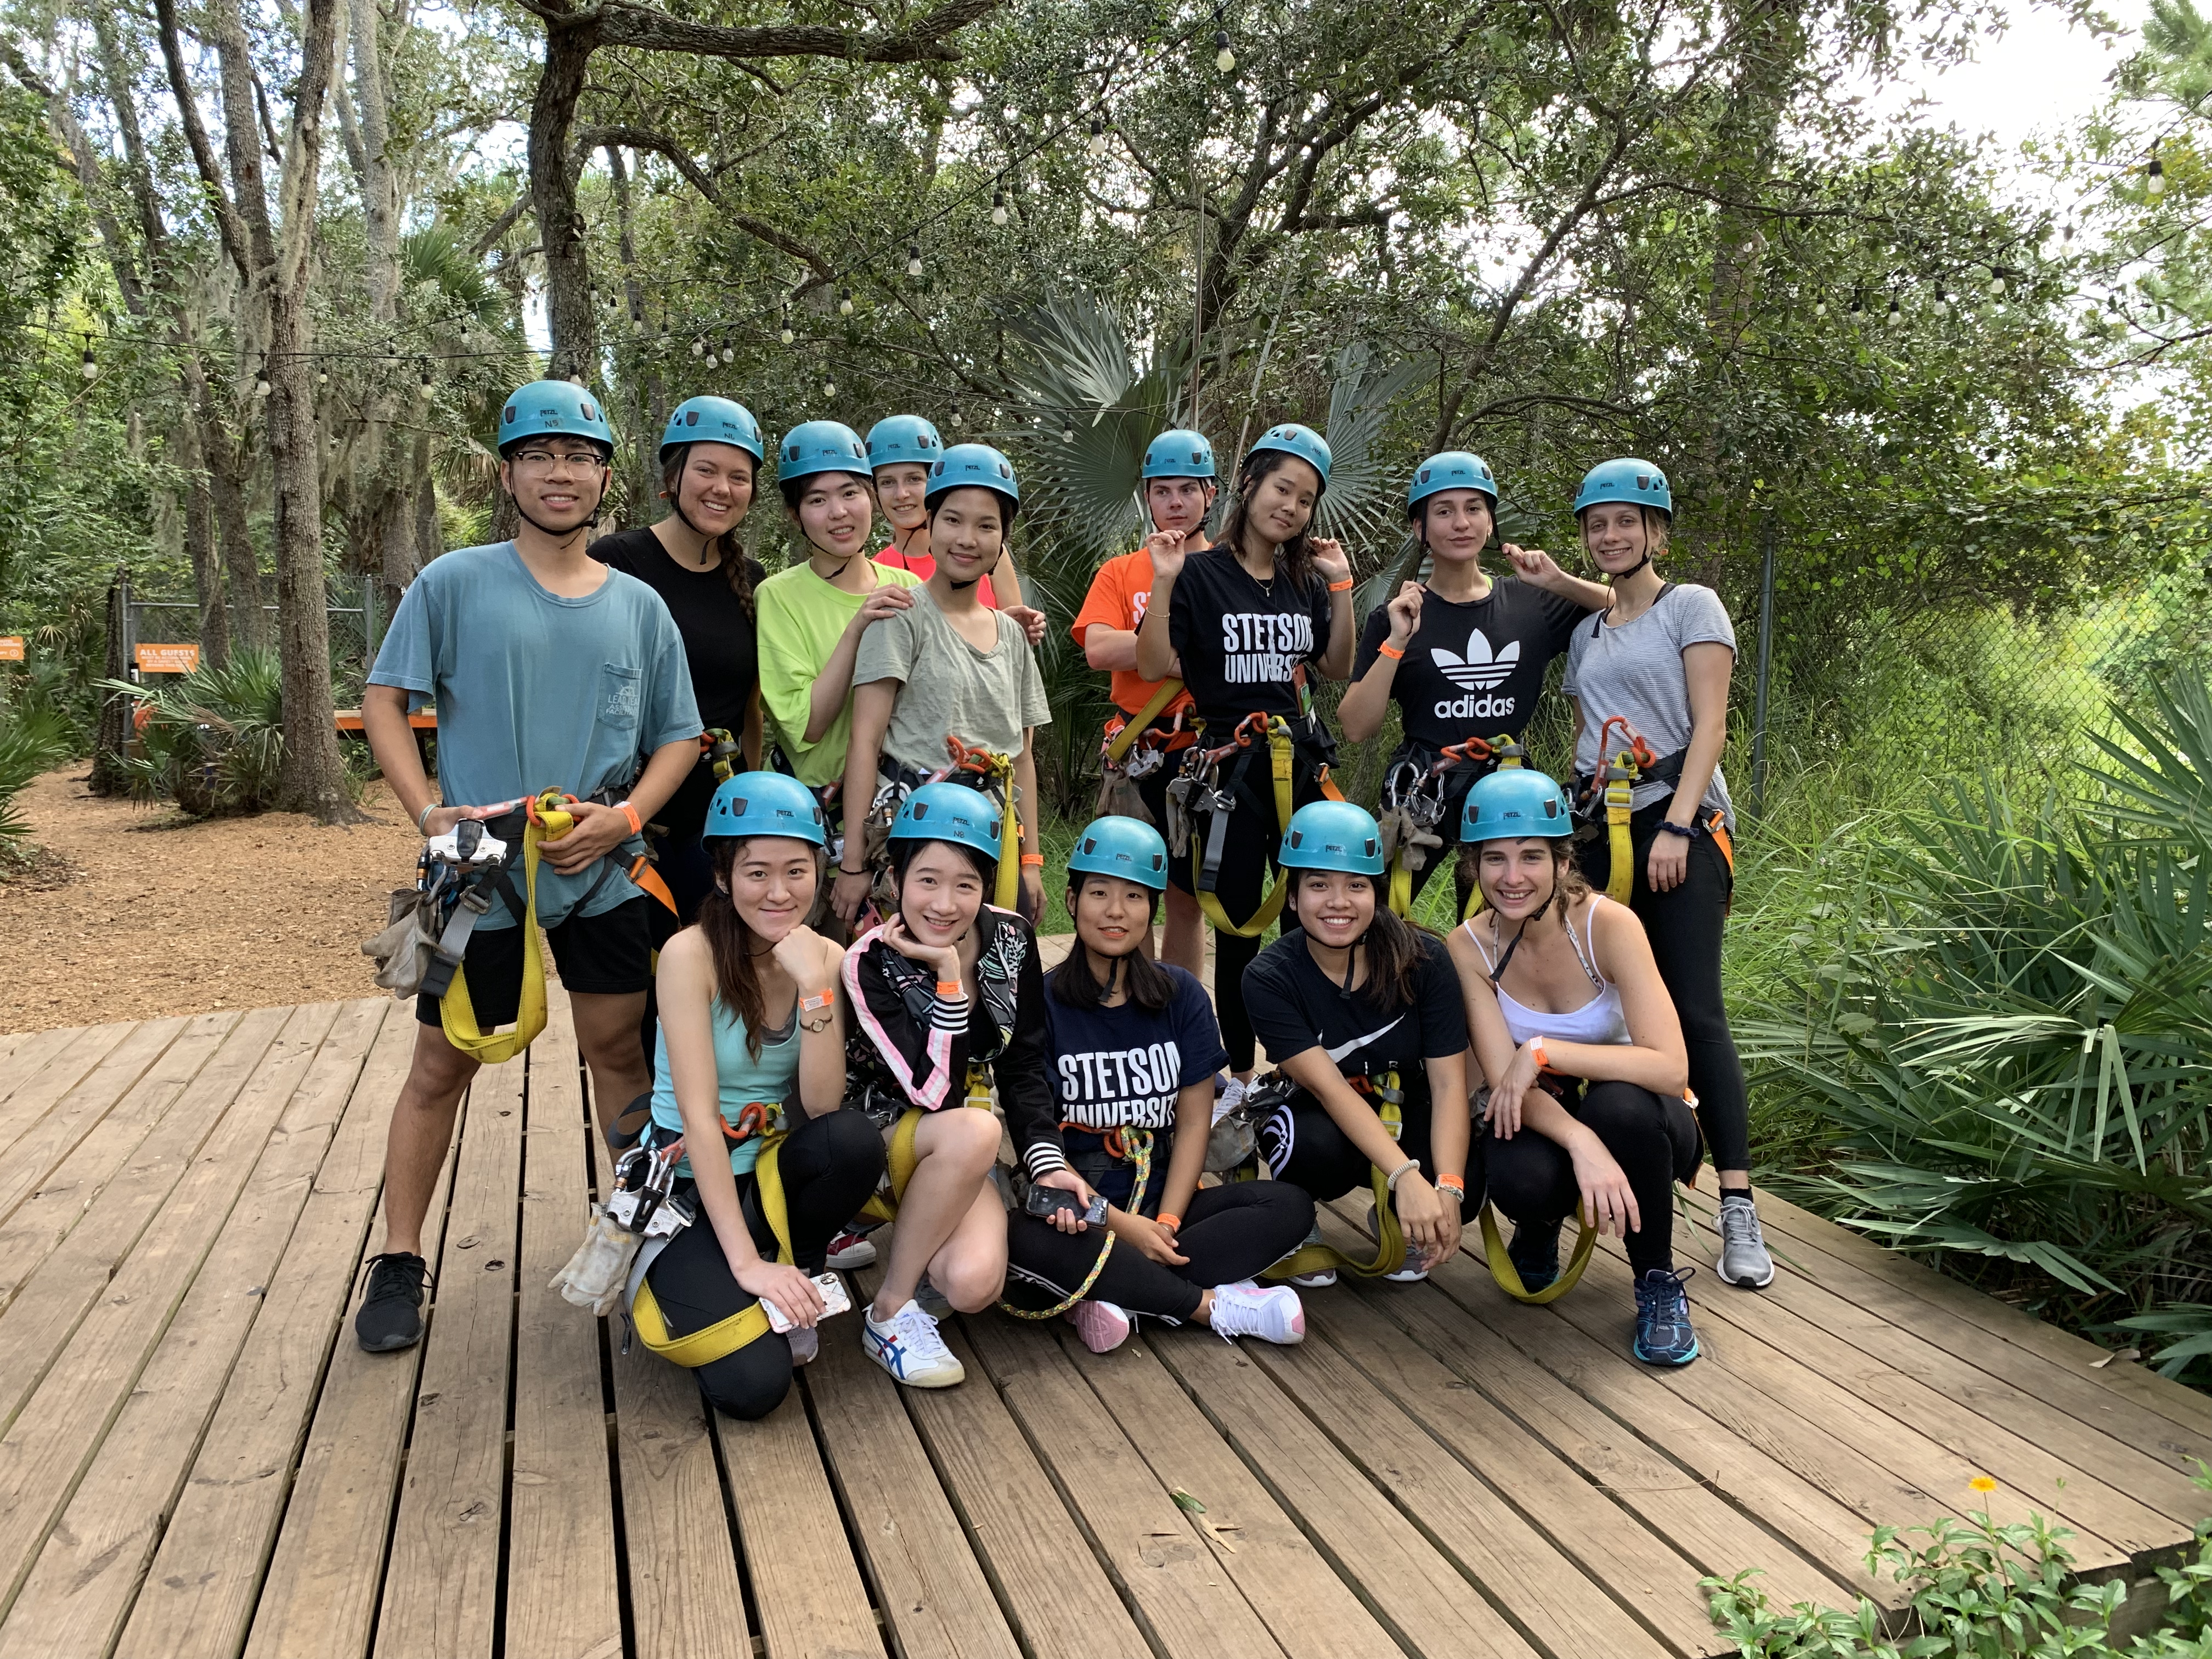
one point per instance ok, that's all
(959, 588)
(1520, 933)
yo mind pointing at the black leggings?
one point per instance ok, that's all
(1532, 1180)
(1232, 1231)
(1300, 1142)
(1685, 928)
(1247, 854)
(829, 1165)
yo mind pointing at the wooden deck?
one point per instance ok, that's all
(197, 1460)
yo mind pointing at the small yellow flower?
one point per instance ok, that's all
(1982, 1483)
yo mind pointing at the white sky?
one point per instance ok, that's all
(2040, 75)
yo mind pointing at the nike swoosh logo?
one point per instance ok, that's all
(1338, 1055)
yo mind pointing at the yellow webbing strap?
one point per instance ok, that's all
(1390, 1237)
(1619, 785)
(903, 1157)
(1140, 1143)
(1508, 1276)
(723, 1336)
(1281, 752)
(455, 1012)
(1401, 885)
(1126, 738)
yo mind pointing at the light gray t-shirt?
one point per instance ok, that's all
(1635, 671)
(980, 697)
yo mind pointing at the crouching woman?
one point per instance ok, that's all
(1135, 1050)
(751, 1039)
(1574, 1031)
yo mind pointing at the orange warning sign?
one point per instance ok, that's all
(168, 659)
(11, 648)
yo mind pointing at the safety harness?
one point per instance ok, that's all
(1390, 1237)
(1414, 796)
(902, 1160)
(1117, 1145)
(1200, 789)
(1134, 748)
(983, 769)
(645, 1178)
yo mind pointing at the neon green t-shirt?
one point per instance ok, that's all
(801, 619)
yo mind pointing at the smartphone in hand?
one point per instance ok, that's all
(834, 1301)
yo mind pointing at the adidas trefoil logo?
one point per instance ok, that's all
(1480, 670)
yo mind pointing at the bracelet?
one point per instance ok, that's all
(1537, 1054)
(1032, 860)
(1686, 831)
(1391, 652)
(947, 989)
(815, 1005)
(842, 871)
(1344, 586)
(422, 818)
(1169, 1219)
(820, 1000)
(1456, 1185)
(1390, 1181)
(637, 824)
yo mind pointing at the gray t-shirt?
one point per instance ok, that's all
(948, 686)
(1635, 671)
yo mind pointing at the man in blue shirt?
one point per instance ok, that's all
(550, 670)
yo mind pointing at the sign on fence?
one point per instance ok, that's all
(168, 659)
(11, 648)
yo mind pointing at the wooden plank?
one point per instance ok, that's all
(32, 1050)
(1187, 1606)
(686, 1599)
(199, 1591)
(2029, 1471)
(1055, 1593)
(806, 1586)
(441, 1586)
(81, 1586)
(1960, 1308)
(132, 1135)
(63, 1423)
(34, 1141)
(933, 1594)
(319, 1598)
(561, 1576)
(49, 1065)
(1409, 1576)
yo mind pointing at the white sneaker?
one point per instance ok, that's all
(907, 1345)
(1230, 1098)
(850, 1250)
(1273, 1315)
(1102, 1326)
(805, 1344)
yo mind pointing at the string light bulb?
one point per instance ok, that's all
(261, 383)
(322, 377)
(785, 333)
(2156, 182)
(698, 347)
(1097, 137)
(87, 365)
(430, 387)
(998, 208)
(828, 388)
(914, 259)
(1224, 59)
(729, 352)
(1943, 301)
(1067, 434)
(1896, 313)
(1996, 283)
(954, 418)
(845, 302)
(1819, 307)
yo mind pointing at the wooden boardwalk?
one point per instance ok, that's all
(197, 1460)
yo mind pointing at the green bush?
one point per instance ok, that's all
(32, 740)
(213, 740)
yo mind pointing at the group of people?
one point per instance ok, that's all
(686, 746)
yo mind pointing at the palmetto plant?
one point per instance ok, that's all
(2011, 1032)
(213, 739)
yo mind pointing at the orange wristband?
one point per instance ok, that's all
(1032, 860)
(1169, 1220)
(1391, 652)
(948, 989)
(636, 824)
(1344, 586)
(1536, 1052)
(1457, 1183)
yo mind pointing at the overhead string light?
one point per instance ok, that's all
(785, 333)
(1896, 311)
(998, 208)
(2156, 182)
(1996, 281)
(261, 382)
(1224, 58)
(87, 365)
(845, 302)
(429, 388)
(1097, 136)
(914, 259)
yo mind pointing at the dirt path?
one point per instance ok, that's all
(238, 913)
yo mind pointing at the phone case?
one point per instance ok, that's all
(835, 1300)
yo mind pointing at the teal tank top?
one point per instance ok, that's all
(770, 1080)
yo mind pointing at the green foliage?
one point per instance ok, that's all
(1977, 1590)
(33, 739)
(211, 740)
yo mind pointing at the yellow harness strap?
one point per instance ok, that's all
(725, 1336)
(1401, 886)
(1390, 1237)
(1010, 834)
(903, 1157)
(1509, 1277)
(1619, 786)
(1281, 752)
(1126, 738)
(455, 1012)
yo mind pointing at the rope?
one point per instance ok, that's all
(1141, 1155)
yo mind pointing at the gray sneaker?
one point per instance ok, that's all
(1744, 1260)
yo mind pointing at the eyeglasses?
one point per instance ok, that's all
(545, 460)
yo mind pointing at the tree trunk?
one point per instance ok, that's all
(199, 539)
(108, 777)
(639, 477)
(568, 45)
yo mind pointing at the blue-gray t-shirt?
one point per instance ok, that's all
(535, 691)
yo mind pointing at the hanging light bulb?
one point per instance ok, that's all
(828, 388)
(845, 302)
(428, 388)
(1097, 137)
(1896, 313)
(1943, 301)
(1819, 307)
(1067, 434)
(1858, 304)
(1224, 59)
(576, 380)
(2156, 183)
(89, 366)
(914, 259)
(637, 326)
(322, 377)
(954, 418)
(1996, 283)
(785, 333)
(261, 383)
(698, 347)
(999, 206)
(729, 352)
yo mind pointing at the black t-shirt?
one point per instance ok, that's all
(1239, 641)
(720, 642)
(1295, 1007)
(1473, 671)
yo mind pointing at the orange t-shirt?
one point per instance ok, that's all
(1116, 599)
(923, 566)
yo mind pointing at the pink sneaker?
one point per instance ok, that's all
(1102, 1326)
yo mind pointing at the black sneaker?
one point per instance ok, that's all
(1535, 1254)
(390, 1316)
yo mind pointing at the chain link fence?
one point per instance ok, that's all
(356, 627)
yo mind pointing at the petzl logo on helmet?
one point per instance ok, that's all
(1478, 670)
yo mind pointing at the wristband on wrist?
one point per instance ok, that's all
(1344, 586)
(422, 818)
(948, 989)
(817, 1004)
(1537, 1054)
(1390, 651)
(1390, 1181)
(1169, 1219)
(637, 824)
(1456, 1185)
(842, 871)
(1032, 860)
(1686, 831)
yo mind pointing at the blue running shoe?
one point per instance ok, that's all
(1535, 1254)
(1663, 1336)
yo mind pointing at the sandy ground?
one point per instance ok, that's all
(169, 916)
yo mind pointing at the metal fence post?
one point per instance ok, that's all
(1765, 671)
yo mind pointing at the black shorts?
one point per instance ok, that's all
(608, 955)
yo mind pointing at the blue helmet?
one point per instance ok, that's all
(1292, 439)
(950, 812)
(544, 408)
(897, 438)
(1626, 479)
(1450, 469)
(815, 447)
(1334, 834)
(1128, 849)
(973, 466)
(1513, 802)
(1180, 454)
(713, 421)
(765, 804)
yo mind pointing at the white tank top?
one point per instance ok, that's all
(1602, 1019)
